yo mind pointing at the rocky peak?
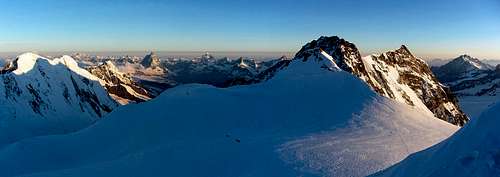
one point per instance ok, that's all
(403, 50)
(151, 61)
(401, 76)
(397, 74)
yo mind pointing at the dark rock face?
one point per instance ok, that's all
(346, 55)
(151, 61)
(395, 74)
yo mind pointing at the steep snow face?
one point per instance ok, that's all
(396, 74)
(308, 120)
(472, 151)
(40, 96)
(119, 85)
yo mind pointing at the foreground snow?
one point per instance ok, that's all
(306, 121)
(472, 151)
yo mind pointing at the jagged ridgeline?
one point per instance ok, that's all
(397, 74)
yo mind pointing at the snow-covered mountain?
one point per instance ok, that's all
(119, 85)
(41, 96)
(395, 74)
(473, 151)
(474, 82)
(461, 67)
(309, 119)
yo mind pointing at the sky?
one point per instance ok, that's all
(431, 29)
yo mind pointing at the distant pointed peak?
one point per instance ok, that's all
(471, 62)
(465, 56)
(404, 50)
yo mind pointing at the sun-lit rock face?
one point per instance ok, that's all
(119, 85)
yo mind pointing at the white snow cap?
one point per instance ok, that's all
(26, 62)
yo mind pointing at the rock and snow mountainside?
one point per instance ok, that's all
(156, 75)
(475, 83)
(119, 85)
(461, 67)
(310, 119)
(396, 74)
(40, 96)
(473, 151)
(151, 61)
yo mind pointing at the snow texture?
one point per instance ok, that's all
(305, 121)
(473, 151)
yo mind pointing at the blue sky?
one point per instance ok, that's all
(432, 29)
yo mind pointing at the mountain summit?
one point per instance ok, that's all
(461, 67)
(397, 74)
(151, 61)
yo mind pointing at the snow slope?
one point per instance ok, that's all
(472, 151)
(305, 121)
(40, 96)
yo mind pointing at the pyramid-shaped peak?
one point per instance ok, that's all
(151, 60)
